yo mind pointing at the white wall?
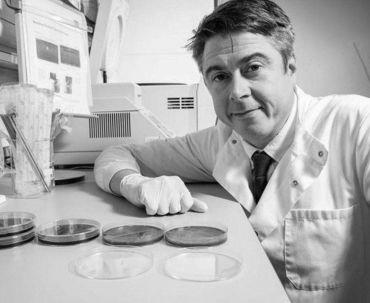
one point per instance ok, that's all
(157, 31)
(327, 35)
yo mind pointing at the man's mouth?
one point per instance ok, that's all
(246, 112)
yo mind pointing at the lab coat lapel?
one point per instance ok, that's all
(296, 171)
(232, 169)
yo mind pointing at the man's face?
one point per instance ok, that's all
(251, 90)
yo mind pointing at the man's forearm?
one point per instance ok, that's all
(114, 183)
(110, 162)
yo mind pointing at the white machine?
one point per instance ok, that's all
(120, 118)
(126, 112)
(182, 108)
(123, 117)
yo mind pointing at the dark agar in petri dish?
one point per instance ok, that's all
(187, 236)
(132, 235)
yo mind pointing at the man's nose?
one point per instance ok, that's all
(239, 87)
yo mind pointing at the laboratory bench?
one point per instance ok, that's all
(35, 272)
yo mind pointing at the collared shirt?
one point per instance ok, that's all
(279, 144)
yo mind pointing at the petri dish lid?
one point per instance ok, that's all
(15, 222)
(204, 234)
(202, 266)
(113, 264)
(68, 231)
(132, 234)
(17, 239)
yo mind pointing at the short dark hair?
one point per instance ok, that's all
(263, 17)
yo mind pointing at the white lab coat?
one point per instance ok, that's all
(313, 219)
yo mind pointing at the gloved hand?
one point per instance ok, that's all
(161, 195)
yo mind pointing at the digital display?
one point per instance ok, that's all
(69, 56)
(47, 51)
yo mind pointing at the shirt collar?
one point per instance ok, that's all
(281, 142)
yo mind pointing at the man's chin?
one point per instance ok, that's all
(254, 136)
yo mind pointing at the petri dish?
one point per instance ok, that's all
(68, 231)
(68, 176)
(113, 264)
(15, 222)
(202, 266)
(17, 239)
(132, 234)
(207, 234)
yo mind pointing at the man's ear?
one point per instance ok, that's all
(291, 66)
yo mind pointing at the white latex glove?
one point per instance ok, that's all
(162, 195)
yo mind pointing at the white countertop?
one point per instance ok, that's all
(40, 273)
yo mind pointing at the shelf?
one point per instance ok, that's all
(8, 60)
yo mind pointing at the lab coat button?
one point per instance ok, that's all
(295, 182)
(321, 153)
(234, 141)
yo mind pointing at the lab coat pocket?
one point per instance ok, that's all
(323, 248)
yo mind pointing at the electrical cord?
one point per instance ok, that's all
(11, 6)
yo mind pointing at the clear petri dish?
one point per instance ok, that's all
(132, 234)
(202, 266)
(17, 239)
(15, 222)
(204, 234)
(68, 231)
(113, 264)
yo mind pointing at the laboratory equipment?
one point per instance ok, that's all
(26, 114)
(52, 50)
(15, 222)
(189, 104)
(119, 114)
(16, 228)
(132, 234)
(68, 231)
(113, 264)
(120, 118)
(17, 239)
(205, 234)
(202, 265)
(107, 43)
(126, 112)
(64, 176)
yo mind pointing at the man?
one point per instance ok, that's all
(312, 218)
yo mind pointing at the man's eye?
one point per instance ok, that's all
(254, 68)
(219, 77)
